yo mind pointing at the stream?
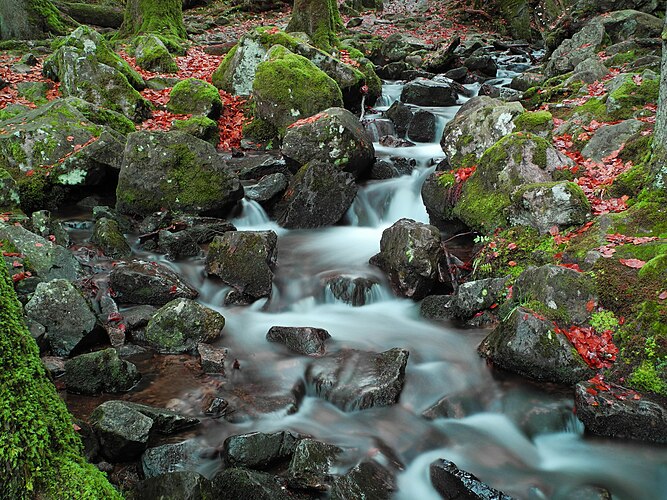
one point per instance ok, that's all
(517, 436)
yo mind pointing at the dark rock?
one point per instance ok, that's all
(140, 282)
(164, 421)
(453, 483)
(122, 430)
(457, 405)
(422, 127)
(55, 365)
(457, 74)
(302, 340)
(621, 413)
(391, 141)
(444, 58)
(244, 484)
(258, 450)
(216, 408)
(177, 485)
(397, 46)
(181, 324)
(137, 317)
(489, 90)
(356, 291)
(319, 195)
(244, 260)
(526, 80)
(401, 116)
(170, 458)
(212, 359)
(108, 235)
(268, 188)
(583, 45)
(356, 380)
(475, 296)
(178, 244)
(257, 166)
(410, 253)
(393, 71)
(424, 92)
(435, 307)
(483, 64)
(368, 480)
(310, 464)
(100, 371)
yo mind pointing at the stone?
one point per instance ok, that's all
(369, 480)
(109, 236)
(453, 483)
(201, 127)
(435, 307)
(258, 450)
(141, 282)
(65, 313)
(423, 92)
(181, 324)
(268, 189)
(585, 44)
(311, 463)
(354, 290)
(357, 380)
(401, 116)
(122, 430)
(197, 97)
(473, 297)
(212, 359)
(588, 71)
(483, 64)
(422, 127)
(44, 225)
(100, 371)
(10, 199)
(175, 485)
(165, 421)
(302, 340)
(410, 254)
(244, 484)
(170, 458)
(244, 260)
(152, 55)
(609, 138)
(334, 136)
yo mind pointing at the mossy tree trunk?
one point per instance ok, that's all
(40, 452)
(31, 20)
(659, 154)
(320, 19)
(160, 17)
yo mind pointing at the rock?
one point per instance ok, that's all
(165, 421)
(109, 236)
(310, 464)
(253, 167)
(410, 253)
(422, 127)
(564, 291)
(588, 71)
(357, 380)
(244, 484)
(609, 138)
(475, 296)
(122, 430)
(391, 141)
(176, 485)
(319, 195)
(244, 260)
(197, 97)
(174, 170)
(356, 291)
(423, 92)
(178, 245)
(489, 90)
(65, 313)
(585, 44)
(258, 450)
(140, 282)
(268, 189)
(545, 205)
(137, 317)
(435, 307)
(181, 324)
(302, 340)
(10, 199)
(625, 24)
(483, 64)
(47, 227)
(457, 405)
(88, 68)
(528, 344)
(54, 365)
(212, 359)
(152, 55)
(197, 231)
(526, 80)
(453, 483)
(620, 413)
(366, 480)
(444, 58)
(170, 458)
(401, 116)
(479, 123)
(334, 136)
(457, 74)
(288, 87)
(100, 371)
(397, 46)
(201, 127)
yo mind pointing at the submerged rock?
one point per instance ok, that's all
(140, 282)
(100, 371)
(354, 290)
(302, 340)
(453, 483)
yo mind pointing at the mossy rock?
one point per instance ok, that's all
(9, 193)
(152, 55)
(109, 236)
(199, 126)
(193, 96)
(100, 371)
(535, 122)
(34, 92)
(628, 99)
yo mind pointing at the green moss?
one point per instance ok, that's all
(594, 107)
(260, 130)
(163, 18)
(153, 55)
(479, 208)
(622, 58)
(604, 320)
(626, 100)
(647, 217)
(534, 122)
(646, 378)
(195, 96)
(199, 126)
(220, 75)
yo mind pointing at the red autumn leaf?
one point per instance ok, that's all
(633, 263)
(590, 305)
(511, 246)
(511, 263)
(663, 295)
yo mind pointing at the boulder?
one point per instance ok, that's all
(334, 136)
(212, 359)
(527, 343)
(585, 44)
(181, 324)
(588, 71)
(197, 97)
(610, 138)
(177, 171)
(258, 450)
(369, 479)
(10, 199)
(100, 371)
(65, 313)
(176, 485)
(410, 254)
(477, 126)
(453, 483)
(140, 282)
(483, 64)
(472, 297)
(201, 127)
(179, 242)
(302, 340)
(244, 260)
(398, 46)
(108, 235)
(319, 195)
(122, 430)
(151, 54)
(626, 23)
(245, 484)
(354, 290)
(357, 380)
(423, 92)
(164, 421)
(170, 458)
(311, 463)
(401, 116)
(46, 226)
(422, 127)
(268, 190)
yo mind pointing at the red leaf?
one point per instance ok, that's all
(663, 295)
(633, 263)
(511, 246)
(590, 305)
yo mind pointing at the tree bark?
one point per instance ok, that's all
(31, 20)
(320, 19)
(659, 153)
(160, 17)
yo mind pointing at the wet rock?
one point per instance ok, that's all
(140, 282)
(527, 344)
(178, 244)
(176, 170)
(244, 484)
(585, 44)
(212, 359)
(244, 260)
(177, 485)
(457, 74)
(526, 80)
(475, 296)
(268, 189)
(401, 116)
(334, 136)
(170, 458)
(356, 291)
(181, 324)
(483, 64)
(165, 421)
(356, 380)
(122, 430)
(197, 97)
(453, 483)
(310, 464)
(609, 138)
(109, 237)
(422, 92)
(66, 315)
(216, 407)
(410, 253)
(137, 317)
(391, 141)
(457, 405)
(618, 412)
(319, 195)
(302, 340)
(152, 55)
(398, 45)
(422, 127)
(258, 450)
(100, 371)
(55, 365)
(545, 205)
(42, 224)
(199, 126)
(444, 58)
(366, 480)
(435, 307)
(257, 166)
(489, 90)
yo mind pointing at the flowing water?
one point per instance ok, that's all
(519, 437)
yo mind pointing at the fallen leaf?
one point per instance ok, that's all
(633, 263)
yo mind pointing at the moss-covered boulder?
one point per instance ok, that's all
(332, 136)
(177, 171)
(201, 127)
(535, 122)
(244, 260)
(628, 94)
(40, 451)
(181, 324)
(9, 193)
(197, 97)
(479, 123)
(152, 55)
(288, 87)
(108, 235)
(100, 371)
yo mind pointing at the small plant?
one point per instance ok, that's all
(604, 320)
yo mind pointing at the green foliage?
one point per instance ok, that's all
(646, 378)
(534, 122)
(604, 320)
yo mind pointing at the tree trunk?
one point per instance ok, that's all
(159, 17)
(320, 19)
(659, 153)
(31, 19)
